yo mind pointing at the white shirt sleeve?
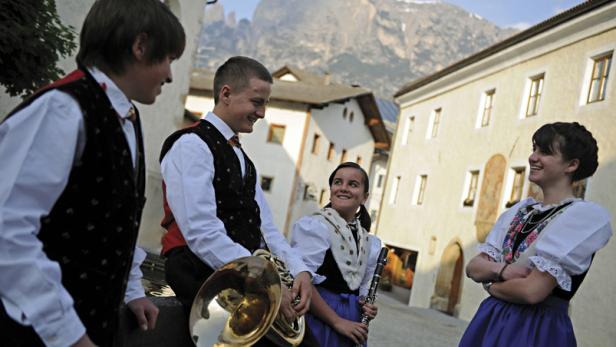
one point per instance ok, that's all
(570, 240)
(38, 147)
(134, 288)
(493, 246)
(375, 249)
(310, 239)
(188, 172)
(276, 242)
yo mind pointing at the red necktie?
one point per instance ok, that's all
(132, 115)
(234, 141)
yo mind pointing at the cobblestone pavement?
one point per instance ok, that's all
(399, 325)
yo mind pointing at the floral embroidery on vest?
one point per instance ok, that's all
(516, 226)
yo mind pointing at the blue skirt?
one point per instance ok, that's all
(498, 323)
(346, 306)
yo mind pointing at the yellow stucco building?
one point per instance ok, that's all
(460, 156)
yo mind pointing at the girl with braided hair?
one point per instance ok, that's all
(335, 245)
(538, 252)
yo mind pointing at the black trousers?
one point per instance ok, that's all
(13, 334)
(185, 273)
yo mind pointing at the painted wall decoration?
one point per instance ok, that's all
(490, 195)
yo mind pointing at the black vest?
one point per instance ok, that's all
(91, 230)
(334, 281)
(236, 206)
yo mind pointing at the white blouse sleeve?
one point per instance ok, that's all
(375, 249)
(568, 243)
(493, 245)
(310, 238)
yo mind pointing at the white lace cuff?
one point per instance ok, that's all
(490, 250)
(562, 277)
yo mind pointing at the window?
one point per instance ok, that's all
(432, 245)
(322, 197)
(408, 129)
(436, 121)
(309, 192)
(358, 160)
(344, 113)
(393, 195)
(516, 188)
(276, 133)
(266, 183)
(379, 181)
(316, 144)
(351, 115)
(421, 189)
(343, 157)
(598, 79)
(331, 151)
(471, 192)
(488, 102)
(534, 95)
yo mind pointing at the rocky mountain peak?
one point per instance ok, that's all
(378, 44)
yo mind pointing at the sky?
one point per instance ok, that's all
(519, 14)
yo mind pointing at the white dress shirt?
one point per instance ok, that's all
(567, 243)
(311, 238)
(188, 173)
(38, 147)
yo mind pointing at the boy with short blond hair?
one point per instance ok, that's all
(215, 211)
(73, 180)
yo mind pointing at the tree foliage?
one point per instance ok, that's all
(32, 40)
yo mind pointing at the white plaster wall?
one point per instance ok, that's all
(460, 147)
(165, 116)
(353, 136)
(277, 160)
(199, 104)
(378, 168)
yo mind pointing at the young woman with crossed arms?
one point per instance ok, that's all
(538, 252)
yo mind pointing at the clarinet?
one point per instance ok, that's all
(371, 297)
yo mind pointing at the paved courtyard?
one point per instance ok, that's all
(399, 325)
(396, 325)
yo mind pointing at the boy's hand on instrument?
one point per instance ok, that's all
(355, 331)
(302, 286)
(286, 307)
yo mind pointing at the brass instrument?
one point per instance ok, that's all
(239, 304)
(283, 332)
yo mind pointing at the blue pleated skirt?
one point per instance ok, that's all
(498, 323)
(346, 306)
